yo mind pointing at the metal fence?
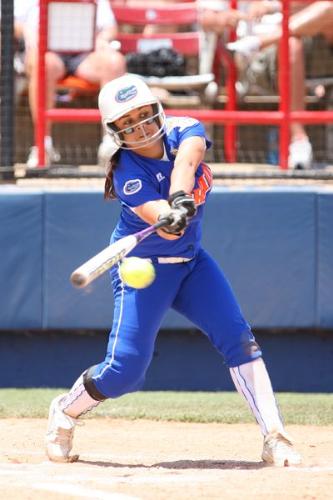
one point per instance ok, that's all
(7, 90)
(252, 140)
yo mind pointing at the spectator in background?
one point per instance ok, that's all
(264, 31)
(150, 29)
(313, 19)
(18, 38)
(100, 66)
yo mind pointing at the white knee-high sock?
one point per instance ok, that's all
(77, 402)
(253, 383)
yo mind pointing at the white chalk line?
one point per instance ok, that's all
(68, 477)
(81, 491)
(33, 476)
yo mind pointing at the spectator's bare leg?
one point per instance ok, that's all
(219, 21)
(300, 149)
(297, 78)
(102, 66)
(54, 69)
(313, 20)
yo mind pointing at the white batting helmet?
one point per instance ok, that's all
(121, 96)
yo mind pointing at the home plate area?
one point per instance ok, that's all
(141, 459)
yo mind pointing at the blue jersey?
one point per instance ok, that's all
(138, 179)
(195, 288)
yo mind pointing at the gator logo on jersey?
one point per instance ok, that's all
(132, 186)
(205, 183)
(126, 94)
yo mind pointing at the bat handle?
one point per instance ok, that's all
(151, 229)
(162, 223)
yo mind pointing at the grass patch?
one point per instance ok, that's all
(224, 407)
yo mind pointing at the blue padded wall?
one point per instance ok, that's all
(325, 261)
(275, 245)
(77, 226)
(265, 240)
(21, 262)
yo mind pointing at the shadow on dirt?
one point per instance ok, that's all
(183, 464)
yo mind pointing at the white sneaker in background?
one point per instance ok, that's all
(51, 156)
(300, 154)
(59, 437)
(247, 46)
(106, 150)
(278, 450)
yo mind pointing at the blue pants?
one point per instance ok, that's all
(198, 290)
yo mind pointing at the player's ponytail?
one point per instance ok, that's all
(109, 191)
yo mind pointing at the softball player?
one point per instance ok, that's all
(156, 170)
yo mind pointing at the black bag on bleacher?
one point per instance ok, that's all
(161, 62)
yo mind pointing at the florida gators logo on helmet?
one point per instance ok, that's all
(126, 94)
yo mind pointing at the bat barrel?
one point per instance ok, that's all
(79, 279)
(108, 257)
(101, 262)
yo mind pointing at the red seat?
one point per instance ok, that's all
(185, 39)
(77, 86)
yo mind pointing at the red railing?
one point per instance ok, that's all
(41, 115)
(230, 117)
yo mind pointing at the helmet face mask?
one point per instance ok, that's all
(123, 95)
(120, 135)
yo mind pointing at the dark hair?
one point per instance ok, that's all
(109, 191)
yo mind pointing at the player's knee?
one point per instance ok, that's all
(107, 382)
(252, 349)
(245, 351)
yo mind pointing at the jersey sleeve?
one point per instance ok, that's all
(179, 129)
(134, 189)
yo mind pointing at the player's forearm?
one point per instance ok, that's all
(190, 155)
(150, 212)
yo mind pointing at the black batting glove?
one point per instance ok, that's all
(184, 201)
(176, 221)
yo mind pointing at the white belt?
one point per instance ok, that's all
(172, 260)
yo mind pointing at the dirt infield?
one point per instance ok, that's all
(161, 460)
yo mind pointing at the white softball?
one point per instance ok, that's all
(136, 272)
